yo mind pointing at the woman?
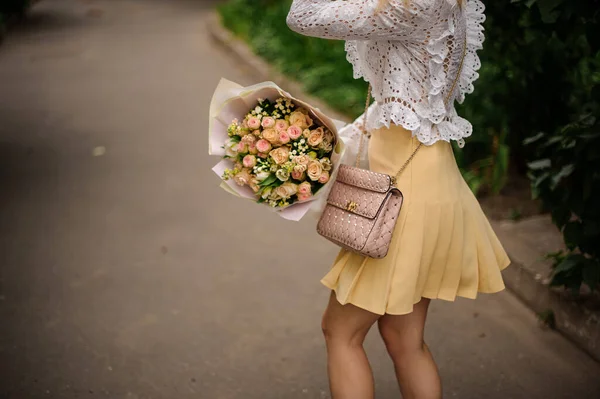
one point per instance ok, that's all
(419, 57)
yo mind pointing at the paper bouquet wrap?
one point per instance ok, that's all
(276, 149)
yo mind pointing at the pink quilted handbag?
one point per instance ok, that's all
(363, 206)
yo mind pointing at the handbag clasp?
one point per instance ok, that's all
(351, 207)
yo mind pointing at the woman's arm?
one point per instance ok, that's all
(349, 19)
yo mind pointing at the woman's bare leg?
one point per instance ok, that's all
(415, 368)
(345, 328)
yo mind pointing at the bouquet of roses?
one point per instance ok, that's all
(276, 149)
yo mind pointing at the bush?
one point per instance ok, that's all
(567, 179)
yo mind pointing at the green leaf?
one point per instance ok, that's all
(533, 139)
(268, 181)
(564, 172)
(567, 264)
(548, 10)
(540, 164)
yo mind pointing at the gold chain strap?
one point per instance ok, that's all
(364, 127)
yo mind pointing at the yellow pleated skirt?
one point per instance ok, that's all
(443, 245)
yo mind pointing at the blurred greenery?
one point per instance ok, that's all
(540, 73)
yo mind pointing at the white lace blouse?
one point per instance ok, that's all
(419, 56)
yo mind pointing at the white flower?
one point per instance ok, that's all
(262, 175)
(283, 174)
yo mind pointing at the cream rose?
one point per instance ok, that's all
(268, 122)
(316, 137)
(306, 133)
(286, 190)
(302, 160)
(249, 139)
(326, 164)
(280, 155)
(304, 188)
(243, 177)
(308, 119)
(297, 118)
(314, 170)
(270, 135)
(254, 185)
(281, 125)
(300, 168)
(326, 146)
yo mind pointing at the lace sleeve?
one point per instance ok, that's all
(348, 19)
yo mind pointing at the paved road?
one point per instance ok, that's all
(129, 274)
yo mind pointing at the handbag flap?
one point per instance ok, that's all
(365, 179)
(356, 200)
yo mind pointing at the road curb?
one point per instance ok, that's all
(578, 324)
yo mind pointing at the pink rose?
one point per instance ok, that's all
(324, 178)
(284, 138)
(294, 132)
(268, 122)
(253, 123)
(249, 161)
(262, 155)
(281, 125)
(304, 197)
(304, 188)
(242, 147)
(263, 145)
(297, 175)
(252, 149)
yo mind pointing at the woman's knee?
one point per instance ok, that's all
(400, 342)
(349, 328)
